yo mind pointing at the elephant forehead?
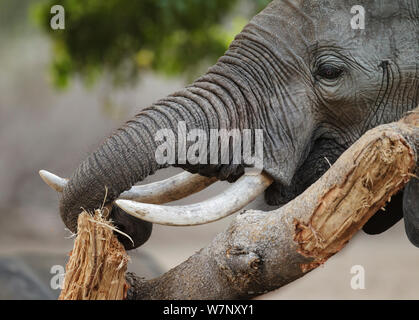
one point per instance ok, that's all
(331, 19)
(384, 10)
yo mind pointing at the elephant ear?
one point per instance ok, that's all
(411, 211)
(383, 220)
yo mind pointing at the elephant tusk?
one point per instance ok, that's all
(241, 193)
(55, 182)
(171, 189)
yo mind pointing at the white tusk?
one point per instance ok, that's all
(171, 189)
(55, 182)
(241, 193)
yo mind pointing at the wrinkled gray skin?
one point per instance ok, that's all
(299, 72)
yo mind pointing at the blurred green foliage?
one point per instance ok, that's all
(126, 37)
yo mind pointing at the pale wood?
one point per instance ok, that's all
(98, 262)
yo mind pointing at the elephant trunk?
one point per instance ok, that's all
(129, 155)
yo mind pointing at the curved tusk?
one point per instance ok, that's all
(241, 193)
(171, 189)
(54, 181)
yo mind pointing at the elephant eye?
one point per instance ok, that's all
(329, 72)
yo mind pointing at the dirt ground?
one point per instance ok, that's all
(44, 129)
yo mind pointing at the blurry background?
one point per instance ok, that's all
(63, 91)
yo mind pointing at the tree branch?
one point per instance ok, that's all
(263, 251)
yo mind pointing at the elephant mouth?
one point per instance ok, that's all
(145, 202)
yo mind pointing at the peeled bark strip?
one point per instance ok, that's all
(379, 170)
(262, 251)
(98, 262)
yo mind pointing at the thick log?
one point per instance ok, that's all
(98, 262)
(262, 251)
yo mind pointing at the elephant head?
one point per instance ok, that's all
(300, 72)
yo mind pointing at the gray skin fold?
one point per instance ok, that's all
(299, 72)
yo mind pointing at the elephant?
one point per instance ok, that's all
(303, 73)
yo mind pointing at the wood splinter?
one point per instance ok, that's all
(98, 262)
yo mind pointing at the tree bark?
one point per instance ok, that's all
(262, 251)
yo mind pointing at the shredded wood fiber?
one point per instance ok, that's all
(98, 262)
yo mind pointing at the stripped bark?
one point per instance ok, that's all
(98, 262)
(262, 251)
